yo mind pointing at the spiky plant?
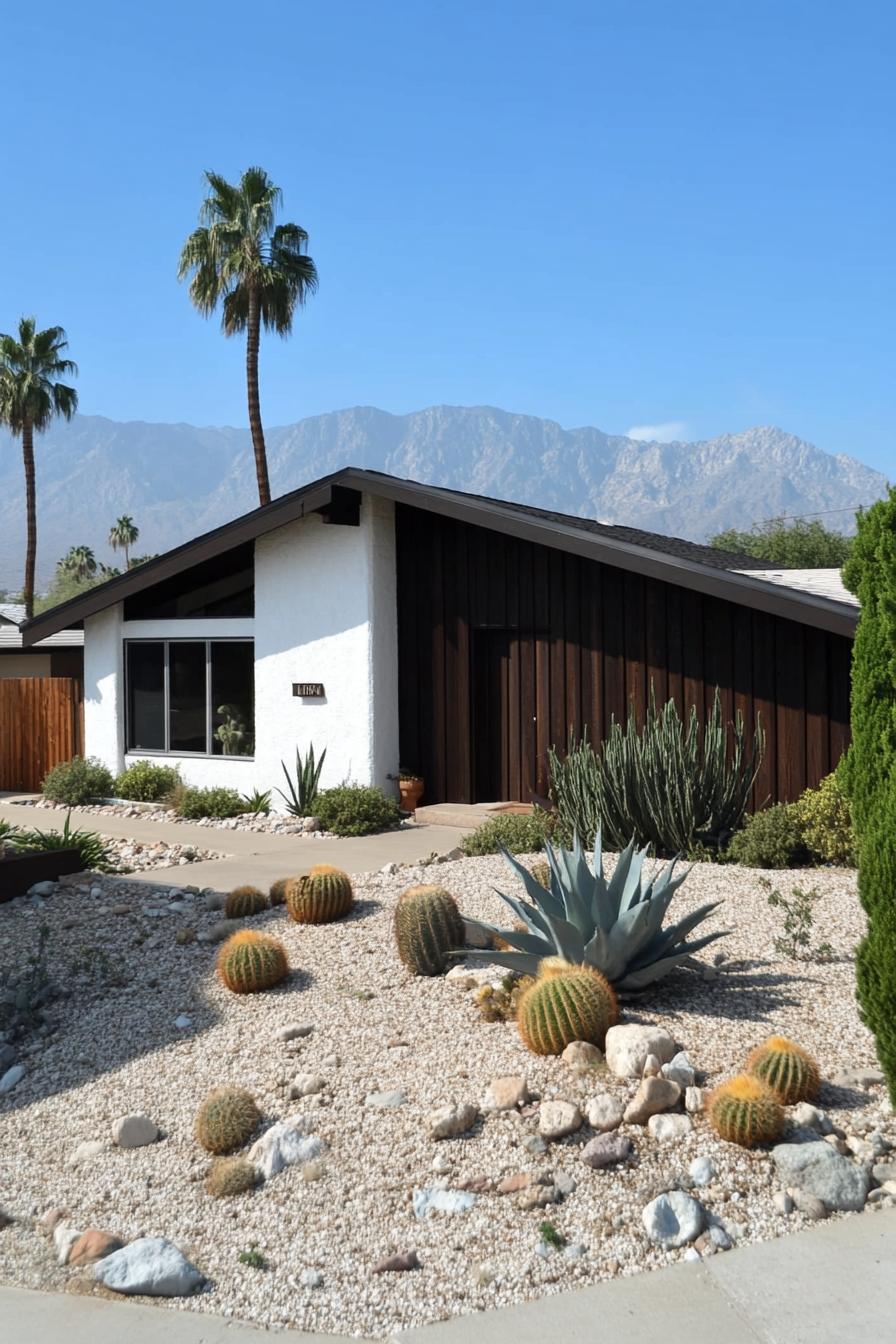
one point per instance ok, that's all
(226, 1119)
(243, 902)
(566, 1004)
(428, 926)
(230, 1176)
(320, 896)
(500, 1003)
(786, 1069)
(614, 926)
(746, 1112)
(250, 962)
(277, 893)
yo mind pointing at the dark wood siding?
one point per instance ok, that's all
(535, 643)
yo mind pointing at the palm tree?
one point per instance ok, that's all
(123, 535)
(79, 562)
(259, 272)
(30, 398)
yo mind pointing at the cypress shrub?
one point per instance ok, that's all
(871, 773)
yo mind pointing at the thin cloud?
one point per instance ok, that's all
(668, 432)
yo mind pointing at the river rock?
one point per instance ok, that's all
(604, 1112)
(386, 1101)
(151, 1266)
(556, 1119)
(307, 1085)
(627, 1047)
(506, 1094)
(680, 1070)
(582, 1056)
(450, 1121)
(665, 1128)
(65, 1235)
(11, 1077)
(702, 1171)
(653, 1096)
(818, 1170)
(673, 1219)
(288, 1143)
(86, 1152)
(134, 1131)
(604, 1150)
(93, 1245)
(397, 1264)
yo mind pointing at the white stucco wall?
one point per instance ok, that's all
(325, 611)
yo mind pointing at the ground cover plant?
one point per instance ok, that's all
(356, 809)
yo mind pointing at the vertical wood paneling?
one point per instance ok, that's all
(40, 726)
(567, 641)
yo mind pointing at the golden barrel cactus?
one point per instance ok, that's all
(428, 925)
(250, 962)
(746, 1112)
(320, 896)
(566, 1003)
(786, 1069)
(226, 1119)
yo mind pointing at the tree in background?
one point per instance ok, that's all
(123, 535)
(79, 562)
(31, 396)
(76, 572)
(799, 544)
(259, 272)
(870, 769)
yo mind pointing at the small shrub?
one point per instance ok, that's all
(253, 1258)
(77, 781)
(826, 823)
(194, 804)
(795, 942)
(772, 838)
(356, 809)
(90, 845)
(518, 832)
(146, 782)
(552, 1236)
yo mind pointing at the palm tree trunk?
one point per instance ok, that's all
(252, 344)
(30, 517)
(127, 560)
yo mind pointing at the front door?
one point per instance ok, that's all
(503, 742)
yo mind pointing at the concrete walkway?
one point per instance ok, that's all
(252, 856)
(832, 1284)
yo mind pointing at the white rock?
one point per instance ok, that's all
(680, 1070)
(389, 869)
(87, 1151)
(432, 1199)
(782, 1202)
(134, 1131)
(693, 1100)
(450, 1121)
(11, 1077)
(556, 1119)
(386, 1101)
(673, 1219)
(702, 1171)
(461, 977)
(311, 1278)
(805, 1116)
(293, 1032)
(651, 1067)
(692, 1254)
(183, 1021)
(665, 1128)
(506, 1094)
(286, 1144)
(65, 1234)
(307, 1085)
(604, 1112)
(627, 1047)
(151, 1266)
(582, 1056)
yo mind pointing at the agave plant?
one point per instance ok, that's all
(303, 790)
(616, 926)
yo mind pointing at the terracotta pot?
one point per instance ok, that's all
(410, 792)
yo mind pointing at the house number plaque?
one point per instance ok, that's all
(308, 690)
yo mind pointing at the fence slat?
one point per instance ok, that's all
(40, 725)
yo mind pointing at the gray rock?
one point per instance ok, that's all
(288, 1143)
(7, 1057)
(564, 1183)
(307, 1085)
(884, 1172)
(583, 1056)
(653, 1096)
(702, 1171)
(808, 1205)
(293, 1032)
(806, 1116)
(673, 1219)
(680, 1070)
(535, 1145)
(151, 1266)
(667, 1128)
(574, 1251)
(783, 1202)
(44, 889)
(386, 1101)
(604, 1113)
(87, 1151)
(134, 1131)
(860, 1078)
(11, 1077)
(815, 1169)
(604, 1150)
(627, 1047)
(556, 1119)
(433, 1199)
(183, 1021)
(220, 932)
(450, 1121)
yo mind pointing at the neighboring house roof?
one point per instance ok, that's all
(12, 616)
(821, 582)
(672, 559)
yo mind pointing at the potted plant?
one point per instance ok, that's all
(410, 790)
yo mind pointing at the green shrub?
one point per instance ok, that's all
(518, 832)
(77, 781)
(668, 783)
(826, 823)
(146, 782)
(870, 573)
(194, 804)
(772, 838)
(90, 846)
(355, 809)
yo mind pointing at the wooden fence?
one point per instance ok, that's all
(41, 724)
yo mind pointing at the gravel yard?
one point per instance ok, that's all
(147, 1029)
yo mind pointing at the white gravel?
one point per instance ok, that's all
(112, 1049)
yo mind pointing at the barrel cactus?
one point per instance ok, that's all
(566, 1003)
(320, 896)
(541, 871)
(746, 1112)
(277, 893)
(226, 1119)
(786, 1069)
(428, 926)
(249, 962)
(243, 902)
(230, 1176)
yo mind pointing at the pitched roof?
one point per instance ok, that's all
(671, 559)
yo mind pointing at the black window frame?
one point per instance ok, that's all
(165, 641)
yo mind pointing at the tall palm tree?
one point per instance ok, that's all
(79, 562)
(123, 535)
(259, 272)
(31, 396)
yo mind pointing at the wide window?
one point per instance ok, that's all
(190, 696)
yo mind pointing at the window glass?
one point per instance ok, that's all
(187, 719)
(233, 719)
(146, 697)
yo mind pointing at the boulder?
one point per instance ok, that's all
(286, 1144)
(604, 1112)
(653, 1096)
(134, 1131)
(450, 1121)
(816, 1169)
(673, 1219)
(556, 1119)
(151, 1266)
(627, 1047)
(605, 1150)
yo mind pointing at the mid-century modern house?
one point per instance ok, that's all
(400, 624)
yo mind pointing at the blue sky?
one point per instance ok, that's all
(621, 214)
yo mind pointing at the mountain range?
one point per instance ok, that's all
(179, 480)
